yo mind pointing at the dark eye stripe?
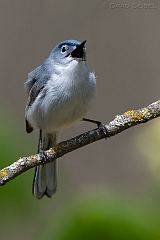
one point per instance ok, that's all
(67, 54)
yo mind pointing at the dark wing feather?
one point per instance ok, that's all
(29, 128)
(34, 92)
(36, 88)
(33, 76)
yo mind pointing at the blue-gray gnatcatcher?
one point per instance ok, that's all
(59, 93)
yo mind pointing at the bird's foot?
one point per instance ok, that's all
(99, 124)
(102, 127)
(43, 157)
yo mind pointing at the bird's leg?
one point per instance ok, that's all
(43, 156)
(99, 124)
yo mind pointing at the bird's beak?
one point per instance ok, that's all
(79, 51)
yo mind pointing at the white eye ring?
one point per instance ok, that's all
(64, 49)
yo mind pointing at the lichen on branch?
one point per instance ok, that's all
(118, 124)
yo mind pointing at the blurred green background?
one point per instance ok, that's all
(107, 190)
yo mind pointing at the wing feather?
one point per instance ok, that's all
(34, 87)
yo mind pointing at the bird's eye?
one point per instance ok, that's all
(63, 49)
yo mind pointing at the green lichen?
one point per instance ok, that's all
(4, 173)
(53, 150)
(134, 115)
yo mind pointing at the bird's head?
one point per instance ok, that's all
(69, 50)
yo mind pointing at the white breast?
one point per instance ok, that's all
(69, 94)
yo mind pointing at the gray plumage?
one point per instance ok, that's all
(45, 177)
(59, 93)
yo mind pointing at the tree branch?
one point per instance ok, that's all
(119, 124)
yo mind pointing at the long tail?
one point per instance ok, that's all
(45, 177)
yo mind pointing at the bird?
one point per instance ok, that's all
(60, 92)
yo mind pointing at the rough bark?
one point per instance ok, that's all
(119, 124)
